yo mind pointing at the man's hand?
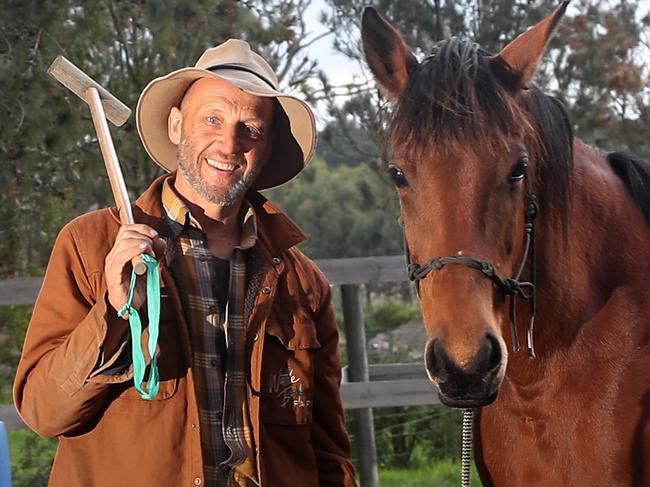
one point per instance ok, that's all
(132, 240)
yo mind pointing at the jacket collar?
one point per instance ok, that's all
(277, 232)
(180, 216)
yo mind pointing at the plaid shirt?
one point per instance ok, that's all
(218, 336)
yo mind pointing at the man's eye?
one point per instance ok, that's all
(212, 120)
(398, 177)
(252, 132)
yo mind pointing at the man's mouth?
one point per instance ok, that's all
(222, 166)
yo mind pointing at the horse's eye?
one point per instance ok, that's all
(398, 176)
(519, 169)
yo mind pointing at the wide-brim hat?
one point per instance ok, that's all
(234, 62)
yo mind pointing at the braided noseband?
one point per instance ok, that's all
(513, 287)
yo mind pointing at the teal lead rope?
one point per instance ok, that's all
(153, 312)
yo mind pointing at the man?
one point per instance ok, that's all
(248, 350)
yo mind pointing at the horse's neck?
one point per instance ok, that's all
(594, 264)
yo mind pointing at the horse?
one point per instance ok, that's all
(515, 228)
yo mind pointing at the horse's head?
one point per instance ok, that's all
(462, 135)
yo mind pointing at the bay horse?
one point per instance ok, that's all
(506, 214)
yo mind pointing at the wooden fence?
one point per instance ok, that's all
(356, 270)
(364, 386)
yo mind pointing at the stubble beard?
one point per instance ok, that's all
(190, 170)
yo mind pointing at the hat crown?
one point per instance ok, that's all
(235, 51)
(233, 62)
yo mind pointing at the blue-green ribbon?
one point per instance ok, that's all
(153, 312)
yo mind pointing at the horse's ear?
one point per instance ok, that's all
(388, 56)
(515, 65)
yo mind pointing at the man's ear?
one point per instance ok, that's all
(175, 125)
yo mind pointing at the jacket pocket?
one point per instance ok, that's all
(126, 401)
(288, 372)
(166, 391)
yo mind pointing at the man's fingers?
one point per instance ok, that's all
(133, 233)
(131, 241)
(137, 229)
(129, 248)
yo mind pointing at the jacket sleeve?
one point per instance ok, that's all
(329, 436)
(72, 328)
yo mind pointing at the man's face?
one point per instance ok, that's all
(224, 139)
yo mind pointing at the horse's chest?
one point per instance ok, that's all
(546, 449)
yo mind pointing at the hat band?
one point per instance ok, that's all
(237, 67)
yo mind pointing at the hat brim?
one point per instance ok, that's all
(295, 127)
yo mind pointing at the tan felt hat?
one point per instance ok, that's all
(234, 62)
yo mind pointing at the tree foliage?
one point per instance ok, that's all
(347, 211)
(597, 64)
(52, 166)
(600, 63)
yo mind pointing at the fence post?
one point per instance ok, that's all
(363, 426)
(5, 463)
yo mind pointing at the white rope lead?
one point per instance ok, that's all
(466, 447)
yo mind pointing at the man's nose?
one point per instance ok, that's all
(230, 139)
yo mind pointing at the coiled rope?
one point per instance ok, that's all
(153, 314)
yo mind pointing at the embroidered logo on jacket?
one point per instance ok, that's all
(287, 387)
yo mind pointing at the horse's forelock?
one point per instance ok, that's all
(453, 97)
(455, 100)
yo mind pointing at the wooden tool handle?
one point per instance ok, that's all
(78, 82)
(113, 169)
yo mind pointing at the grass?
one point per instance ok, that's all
(31, 458)
(442, 473)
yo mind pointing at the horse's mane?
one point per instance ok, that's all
(454, 98)
(636, 176)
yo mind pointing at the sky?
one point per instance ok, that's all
(340, 70)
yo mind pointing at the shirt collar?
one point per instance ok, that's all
(178, 212)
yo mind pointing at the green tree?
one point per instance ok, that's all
(600, 64)
(345, 211)
(597, 64)
(52, 166)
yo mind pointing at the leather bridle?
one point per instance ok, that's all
(511, 286)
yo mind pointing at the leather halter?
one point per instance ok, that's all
(513, 287)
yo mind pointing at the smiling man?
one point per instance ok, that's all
(248, 350)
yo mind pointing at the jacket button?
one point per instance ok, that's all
(197, 481)
(275, 260)
(266, 290)
(193, 426)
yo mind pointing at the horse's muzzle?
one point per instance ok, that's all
(475, 385)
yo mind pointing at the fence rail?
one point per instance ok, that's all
(389, 385)
(356, 270)
(19, 290)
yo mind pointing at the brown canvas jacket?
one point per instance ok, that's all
(109, 436)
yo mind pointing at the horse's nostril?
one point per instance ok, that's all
(436, 360)
(489, 356)
(441, 366)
